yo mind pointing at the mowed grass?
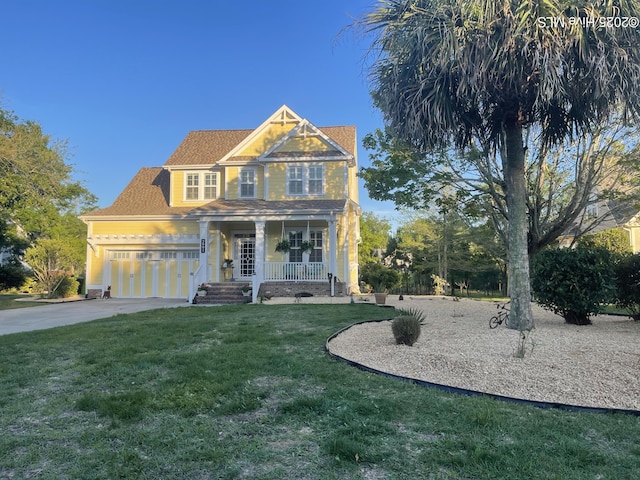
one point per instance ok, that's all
(249, 392)
(8, 301)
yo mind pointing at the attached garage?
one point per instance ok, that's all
(151, 273)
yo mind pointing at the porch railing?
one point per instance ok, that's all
(295, 271)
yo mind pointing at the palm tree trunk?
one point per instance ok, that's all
(521, 316)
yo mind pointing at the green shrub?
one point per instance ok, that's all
(380, 277)
(574, 283)
(68, 287)
(628, 285)
(406, 329)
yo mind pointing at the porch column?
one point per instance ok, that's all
(258, 276)
(204, 251)
(333, 251)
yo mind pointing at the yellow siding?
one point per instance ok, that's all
(271, 135)
(277, 181)
(177, 189)
(308, 144)
(334, 175)
(353, 184)
(145, 228)
(95, 266)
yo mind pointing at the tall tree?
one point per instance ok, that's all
(562, 181)
(482, 71)
(38, 196)
(375, 232)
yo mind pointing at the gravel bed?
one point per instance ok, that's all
(596, 365)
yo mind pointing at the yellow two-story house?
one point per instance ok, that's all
(222, 203)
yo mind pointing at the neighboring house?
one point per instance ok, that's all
(604, 215)
(233, 195)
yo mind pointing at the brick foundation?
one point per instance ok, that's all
(94, 293)
(290, 289)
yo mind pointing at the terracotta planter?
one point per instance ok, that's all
(381, 298)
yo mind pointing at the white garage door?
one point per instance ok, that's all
(154, 273)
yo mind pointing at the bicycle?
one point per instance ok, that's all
(501, 317)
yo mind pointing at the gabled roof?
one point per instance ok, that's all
(210, 147)
(305, 140)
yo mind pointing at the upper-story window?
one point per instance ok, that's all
(592, 207)
(316, 180)
(247, 183)
(295, 180)
(305, 180)
(200, 186)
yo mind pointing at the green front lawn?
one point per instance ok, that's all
(8, 301)
(249, 392)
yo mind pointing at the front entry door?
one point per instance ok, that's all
(244, 264)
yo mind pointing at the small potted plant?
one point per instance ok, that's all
(202, 290)
(246, 290)
(283, 246)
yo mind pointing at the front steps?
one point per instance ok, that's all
(227, 293)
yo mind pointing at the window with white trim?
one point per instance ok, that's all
(210, 186)
(247, 183)
(316, 180)
(295, 181)
(592, 207)
(168, 255)
(315, 238)
(295, 241)
(305, 180)
(200, 186)
(191, 255)
(192, 189)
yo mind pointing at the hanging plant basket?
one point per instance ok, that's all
(283, 246)
(307, 247)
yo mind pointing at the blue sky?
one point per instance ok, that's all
(125, 80)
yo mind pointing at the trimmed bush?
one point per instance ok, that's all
(68, 287)
(574, 283)
(382, 278)
(406, 329)
(628, 285)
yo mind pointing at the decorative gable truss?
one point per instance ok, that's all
(306, 141)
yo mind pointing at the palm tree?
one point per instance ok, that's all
(481, 71)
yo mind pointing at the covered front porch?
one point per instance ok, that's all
(291, 249)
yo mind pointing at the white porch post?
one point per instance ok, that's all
(218, 260)
(333, 251)
(204, 251)
(259, 260)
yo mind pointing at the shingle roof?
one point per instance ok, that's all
(146, 194)
(266, 207)
(207, 147)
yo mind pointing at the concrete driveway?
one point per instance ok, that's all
(58, 314)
